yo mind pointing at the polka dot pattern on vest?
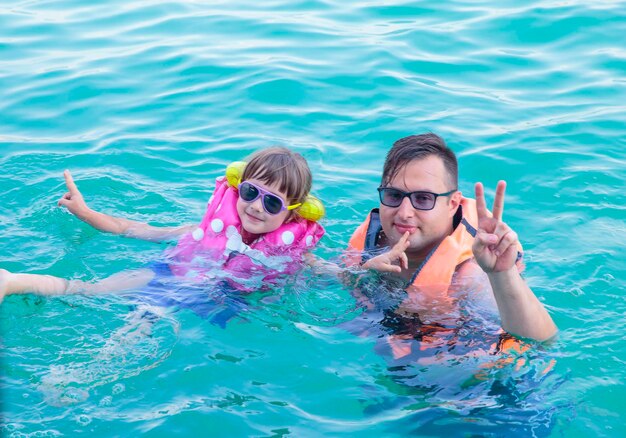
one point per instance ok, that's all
(218, 239)
(287, 237)
(217, 225)
(198, 234)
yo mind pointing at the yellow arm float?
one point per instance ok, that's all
(311, 209)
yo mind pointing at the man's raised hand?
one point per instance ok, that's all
(495, 247)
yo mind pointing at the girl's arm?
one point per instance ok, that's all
(74, 202)
(348, 273)
(321, 266)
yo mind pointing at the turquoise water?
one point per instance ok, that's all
(147, 102)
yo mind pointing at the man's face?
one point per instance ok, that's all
(426, 227)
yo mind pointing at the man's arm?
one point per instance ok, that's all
(521, 313)
(74, 202)
(495, 250)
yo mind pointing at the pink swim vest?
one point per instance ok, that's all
(217, 244)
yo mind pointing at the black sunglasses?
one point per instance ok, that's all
(420, 200)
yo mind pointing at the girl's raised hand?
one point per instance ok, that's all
(393, 260)
(73, 199)
(495, 247)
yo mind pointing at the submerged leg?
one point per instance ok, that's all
(11, 283)
(122, 281)
(31, 283)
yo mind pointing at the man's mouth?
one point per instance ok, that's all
(403, 228)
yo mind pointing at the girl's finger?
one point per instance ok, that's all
(69, 182)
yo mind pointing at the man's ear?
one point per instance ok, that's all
(455, 201)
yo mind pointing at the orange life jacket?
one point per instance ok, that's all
(436, 272)
(434, 275)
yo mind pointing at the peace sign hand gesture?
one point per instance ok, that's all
(495, 247)
(73, 199)
(388, 262)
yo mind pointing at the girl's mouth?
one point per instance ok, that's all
(253, 218)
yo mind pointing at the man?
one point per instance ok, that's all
(440, 241)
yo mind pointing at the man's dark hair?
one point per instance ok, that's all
(418, 147)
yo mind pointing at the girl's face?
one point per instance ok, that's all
(254, 218)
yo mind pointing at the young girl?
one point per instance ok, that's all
(258, 225)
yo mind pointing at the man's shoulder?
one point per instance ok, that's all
(365, 235)
(468, 269)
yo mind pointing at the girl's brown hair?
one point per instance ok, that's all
(279, 165)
